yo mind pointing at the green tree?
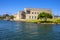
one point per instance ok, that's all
(44, 16)
(5, 15)
(0, 17)
(12, 17)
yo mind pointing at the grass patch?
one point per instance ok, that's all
(48, 21)
(33, 20)
(57, 21)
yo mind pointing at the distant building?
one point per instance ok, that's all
(57, 17)
(30, 13)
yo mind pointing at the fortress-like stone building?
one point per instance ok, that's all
(30, 13)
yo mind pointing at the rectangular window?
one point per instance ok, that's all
(35, 17)
(35, 12)
(28, 12)
(32, 17)
(32, 12)
(29, 17)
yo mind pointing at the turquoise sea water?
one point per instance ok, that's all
(28, 31)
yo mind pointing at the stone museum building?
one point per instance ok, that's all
(30, 13)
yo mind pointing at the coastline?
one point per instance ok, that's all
(56, 21)
(36, 22)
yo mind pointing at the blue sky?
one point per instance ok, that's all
(13, 6)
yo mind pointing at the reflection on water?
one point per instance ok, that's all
(28, 31)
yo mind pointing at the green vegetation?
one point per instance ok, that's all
(44, 16)
(6, 16)
(42, 21)
(12, 17)
(33, 20)
(57, 21)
